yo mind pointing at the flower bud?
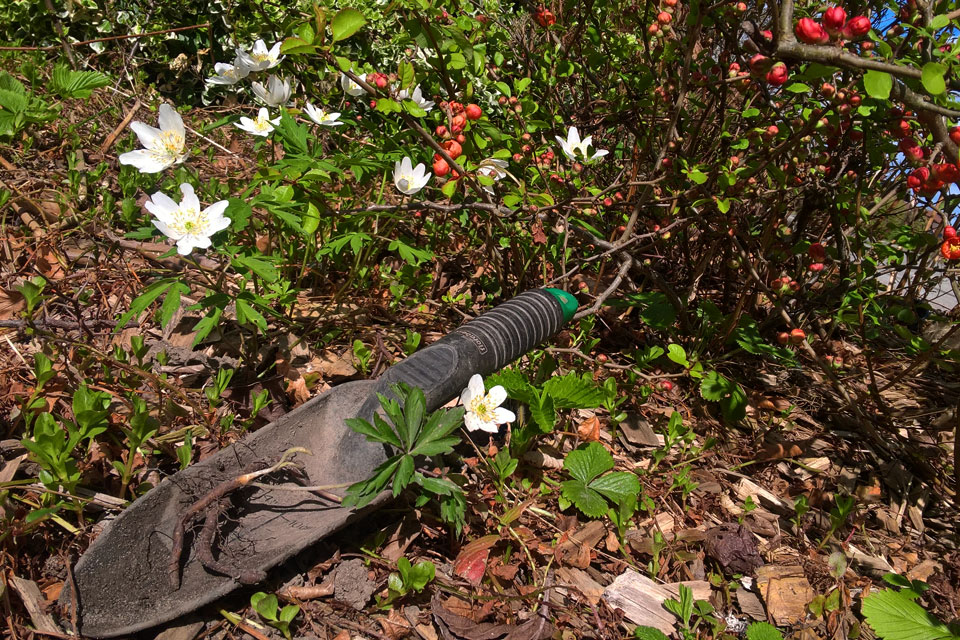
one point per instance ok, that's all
(810, 32)
(777, 75)
(856, 28)
(833, 20)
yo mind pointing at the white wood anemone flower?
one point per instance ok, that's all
(408, 179)
(186, 223)
(275, 94)
(417, 97)
(494, 168)
(262, 125)
(321, 116)
(229, 74)
(483, 410)
(163, 147)
(573, 146)
(350, 87)
(259, 58)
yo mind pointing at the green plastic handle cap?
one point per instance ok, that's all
(567, 302)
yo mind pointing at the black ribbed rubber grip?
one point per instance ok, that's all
(483, 345)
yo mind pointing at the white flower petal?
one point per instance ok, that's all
(475, 385)
(144, 161)
(170, 120)
(185, 245)
(216, 210)
(497, 395)
(165, 230)
(145, 133)
(161, 205)
(502, 415)
(190, 199)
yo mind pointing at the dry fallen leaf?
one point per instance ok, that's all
(471, 562)
(589, 429)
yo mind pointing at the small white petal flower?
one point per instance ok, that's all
(275, 94)
(163, 147)
(321, 116)
(408, 179)
(350, 87)
(261, 126)
(417, 97)
(483, 410)
(228, 74)
(259, 58)
(186, 223)
(573, 146)
(492, 168)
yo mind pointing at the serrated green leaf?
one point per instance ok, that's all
(878, 84)
(939, 22)
(617, 486)
(574, 392)
(413, 411)
(648, 633)
(932, 78)
(386, 105)
(763, 631)
(544, 413)
(588, 461)
(346, 23)
(714, 387)
(402, 477)
(584, 498)
(894, 616)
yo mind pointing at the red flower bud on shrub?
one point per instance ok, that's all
(950, 249)
(440, 167)
(766, 34)
(797, 336)
(817, 252)
(816, 267)
(473, 112)
(856, 28)
(949, 232)
(946, 172)
(955, 135)
(810, 32)
(544, 17)
(918, 177)
(760, 64)
(833, 20)
(783, 337)
(664, 18)
(453, 148)
(914, 154)
(778, 75)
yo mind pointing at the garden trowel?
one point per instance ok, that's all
(123, 581)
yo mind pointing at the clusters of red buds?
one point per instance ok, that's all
(776, 74)
(833, 26)
(950, 249)
(544, 17)
(785, 286)
(818, 255)
(925, 180)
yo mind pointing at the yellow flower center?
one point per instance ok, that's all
(261, 57)
(188, 221)
(169, 144)
(481, 408)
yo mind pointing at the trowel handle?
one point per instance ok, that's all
(484, 345)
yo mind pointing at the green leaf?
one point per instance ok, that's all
(939, 22)
(588, 461)
(677, 354)
(346, 23)
(617, 486)
(894, 616)
(405, 73)
(878, 84)
(207, 323)
(584, 498)
(248, 314)
(292, 134)
(144, 300)
(544, 413)
(798, 87)
(403, 475)
(932, 78)
(574, 392)
(648, 633)
(698, 177)
(295, 45)
(265, 605)
(656, 309)
(413, 411)
(262, 268)
(763, 631)
(386, 105)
